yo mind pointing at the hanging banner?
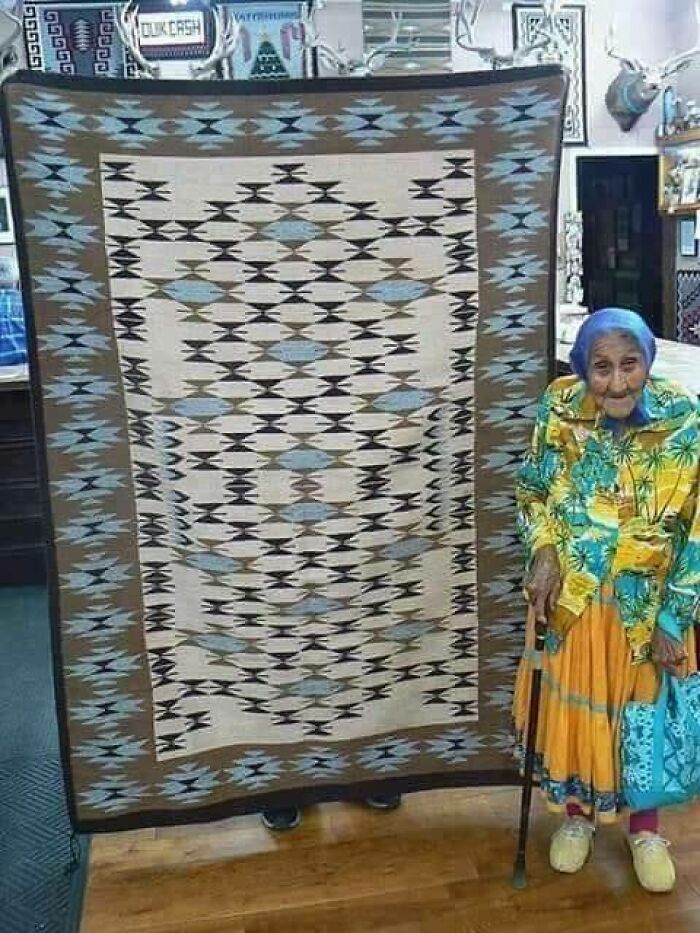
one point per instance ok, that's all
(170, 34)
(169, 28)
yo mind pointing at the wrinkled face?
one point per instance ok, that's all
(616, 374)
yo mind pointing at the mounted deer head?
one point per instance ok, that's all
(226, 35)
(338, 59)
(636, 85)
(548, 44)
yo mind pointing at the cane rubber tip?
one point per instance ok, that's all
(519, 878)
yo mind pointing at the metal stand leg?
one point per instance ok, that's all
(75, 852)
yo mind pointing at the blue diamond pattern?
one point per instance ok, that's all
(111, 750)
(387, 755)
(61, 229)
(56, 172)
(190, 782)
(449, 118)
(518, 221)
(521, 167)
(113, 794)
(288, 124)
(51, 116)
(130, 124)
(455, 746)
(369, 121)
(319, 763)
(525, 110)
(255, 769)
(208, 125)
(68, 284)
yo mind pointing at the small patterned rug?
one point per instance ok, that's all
(688, 307)
(287, 342)
(75, 38)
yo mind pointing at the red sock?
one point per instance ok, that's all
(644, 821)
(573, 809)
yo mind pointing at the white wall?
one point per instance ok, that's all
(687, 32)
(340, 23)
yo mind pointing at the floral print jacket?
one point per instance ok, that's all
(623, 509)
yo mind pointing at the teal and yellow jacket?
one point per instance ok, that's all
(623, 509)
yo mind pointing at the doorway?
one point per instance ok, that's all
(622, 234)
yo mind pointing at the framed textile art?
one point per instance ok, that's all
(271, 41)
(571, 20)
(175, 32)
(427, 22)
(81, 38)
(688, 306)
(282, 394)
(75, 39)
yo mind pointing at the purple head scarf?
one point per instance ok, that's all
(603, 322)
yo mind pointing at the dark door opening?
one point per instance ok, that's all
(622, 251)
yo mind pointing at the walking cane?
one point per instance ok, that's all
(519, 871)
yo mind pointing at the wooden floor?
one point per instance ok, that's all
(440, 864)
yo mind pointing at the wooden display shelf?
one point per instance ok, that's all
(686, 138)
(677, 209)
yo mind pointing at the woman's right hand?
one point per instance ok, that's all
(543, 584)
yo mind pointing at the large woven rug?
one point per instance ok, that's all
(287, 341)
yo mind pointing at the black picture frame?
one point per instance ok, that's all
(576, 112)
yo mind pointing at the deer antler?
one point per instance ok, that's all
(227, 32)
(128, 29)
(683, 59)
(655, 74)
(466, 20)
(548, 38)
(375, 58)
(632, 64)
(338, 58)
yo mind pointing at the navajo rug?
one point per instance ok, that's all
(75, 38)
(286, 345)
(688, 306)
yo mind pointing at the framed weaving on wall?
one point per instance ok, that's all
(270, 47)
(571, 21)
(688, 306)
(175, 33)
(75, 39)
(426, 22)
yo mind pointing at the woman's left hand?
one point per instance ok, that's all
(667, 653)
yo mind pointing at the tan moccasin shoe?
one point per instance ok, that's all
(653, 864)
(571, 845)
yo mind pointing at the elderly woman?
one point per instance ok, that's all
(608, 511)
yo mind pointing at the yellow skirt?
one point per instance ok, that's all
(585, 686)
